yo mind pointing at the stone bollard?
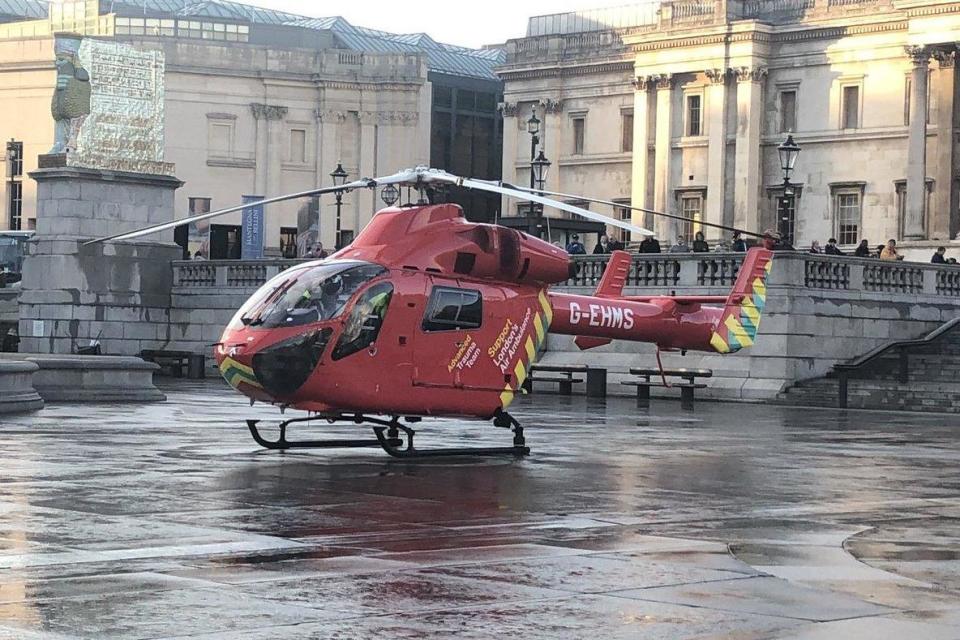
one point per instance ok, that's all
(17, 394)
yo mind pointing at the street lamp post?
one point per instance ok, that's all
(339, 179)
(533, 128)
(539, 168)
(789, 151)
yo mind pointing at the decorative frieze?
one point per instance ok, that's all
(751, 74)
(508, 109)
(662, 80)
(717, 76)
(946, 58)
(641, 83)
(268, 111)
(552, 106)
(919, 56)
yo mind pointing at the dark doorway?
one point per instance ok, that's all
(181, 235)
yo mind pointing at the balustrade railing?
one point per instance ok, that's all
(690, 272)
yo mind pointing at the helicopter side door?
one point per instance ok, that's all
(453, 336)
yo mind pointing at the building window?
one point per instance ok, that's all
(694, 115)
(199, 205)
(453, 309)
(624, 214)
(691, 208)
(626, 138)
(220, 138)
(847, 214)
(850, 108)
(288, 242)
(788, 111)
(578, 132)
(16, 205)
(787, 216)
(298, 146)
(15, 158)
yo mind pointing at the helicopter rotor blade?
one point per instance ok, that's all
(509, 190)
(632, 208)
(220, 212)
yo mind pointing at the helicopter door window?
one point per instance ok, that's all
(451, 309)
(364, 322)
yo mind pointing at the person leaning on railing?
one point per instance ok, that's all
(889, 252)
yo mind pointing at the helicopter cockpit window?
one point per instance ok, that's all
(451, 309)
(363, 324)
(307, 295)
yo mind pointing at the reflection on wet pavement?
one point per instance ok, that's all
(736, 521)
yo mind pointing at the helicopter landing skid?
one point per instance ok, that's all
(282, 444)
(388, 433)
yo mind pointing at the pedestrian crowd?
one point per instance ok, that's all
(886, 252)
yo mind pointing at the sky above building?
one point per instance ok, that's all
(467, 24)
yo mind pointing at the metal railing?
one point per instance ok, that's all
(843, 372)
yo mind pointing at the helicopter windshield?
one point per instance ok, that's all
(306, 294)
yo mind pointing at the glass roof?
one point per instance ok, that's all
(443, 58)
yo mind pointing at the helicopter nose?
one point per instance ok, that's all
(283, 367)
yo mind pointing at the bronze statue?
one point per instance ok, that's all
(71, 97)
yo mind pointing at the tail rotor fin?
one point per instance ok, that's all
(611, 286)
(740, 320)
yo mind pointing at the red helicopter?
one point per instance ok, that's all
(427, 314)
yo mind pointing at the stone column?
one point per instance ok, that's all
(640, 176)
(269, 145)
(716, 151)
(914, 225)
(511, 136)
(366, 202)
(665, 227)
(747, 164)
(943, 214)
(554, 146)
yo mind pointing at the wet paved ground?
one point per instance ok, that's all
(735, 521)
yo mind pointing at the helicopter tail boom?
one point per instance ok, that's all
(670, 322)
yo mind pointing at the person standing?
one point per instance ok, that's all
(889, 252)
(603, 246)
(832, 249)
(938, 257)
(575, 247)
(681, 246)
(738, 244)
(815, 247)
(649, 245)
(614, 245)
(699, 244)
(862, 250)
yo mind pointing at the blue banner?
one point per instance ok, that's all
(251, 247)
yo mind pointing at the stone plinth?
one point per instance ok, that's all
(116, 292)
(71, 378)
(16, 387)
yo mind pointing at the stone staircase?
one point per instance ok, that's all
(932, 367)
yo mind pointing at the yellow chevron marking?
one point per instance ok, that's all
(547, 309)
(768, 266)
(538, 325)
(531, 352)
(521, 373)
(738, 331)
(506, 397)
(759, 288)
(751, 310)
(719, 343)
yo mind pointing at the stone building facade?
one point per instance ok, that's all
(680, 105)
(258, 102)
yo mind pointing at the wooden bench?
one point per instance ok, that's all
(564, 378)
(595, 377)
(195, 363)
(686, 388)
